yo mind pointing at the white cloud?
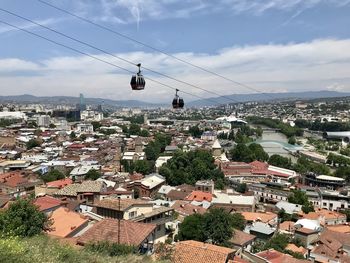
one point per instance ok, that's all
(126, 11)
(317, 65)
(29, 25)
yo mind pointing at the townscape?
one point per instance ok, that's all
(225, 184)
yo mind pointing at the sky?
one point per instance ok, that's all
(267, 45)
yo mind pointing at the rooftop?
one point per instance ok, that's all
(131, 233)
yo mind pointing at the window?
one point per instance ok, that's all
(159, 227)
(324, 204)
(132, 214)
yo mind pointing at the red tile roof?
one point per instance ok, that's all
(47, 202)
(60, 183)
(131, 233)
(199, 196)
(185, 208)
(65, 222)
(193, 251)
(274, 256)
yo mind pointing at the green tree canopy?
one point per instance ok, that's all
(23, 218)
(189, 167)
(32, 143)
(216, 225)
(299, 197)
(92, 174)
(244, 153)
(280, 161)
(53, 175)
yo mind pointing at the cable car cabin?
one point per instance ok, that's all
(178, 103)
(137, 81)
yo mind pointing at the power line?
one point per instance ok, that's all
(152, 48)
(101, 60)
(111, 54)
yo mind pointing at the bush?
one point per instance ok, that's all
(23, 218)
(111, 249)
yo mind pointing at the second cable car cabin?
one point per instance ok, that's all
(137, 81)
(178, 103)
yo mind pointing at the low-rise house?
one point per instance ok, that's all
(138, 211)
(79, 172)
(52, 187)
(307, 231)
(267, 217)
(289, 208)
(66, 223)
(148, 186)
(287, 227)
(180, 193)
(164, 190)
(260, 230)
(185, 208)
(199, 196)
(274, 256)
(325, 217)
(242, 240)
(193, 251)
(18, 183)
(331, 247)
(89, 191)
(295, 249)
(125, 232)
(47, 204)
(234, 203)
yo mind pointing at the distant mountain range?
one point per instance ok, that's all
(75, 100)
(259, 97)
(286, 96)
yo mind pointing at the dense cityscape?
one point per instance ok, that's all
(247, 182)
(174, 131)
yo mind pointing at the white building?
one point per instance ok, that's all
(43, 120)
(85, 128)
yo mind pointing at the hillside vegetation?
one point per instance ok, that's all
(44, 249)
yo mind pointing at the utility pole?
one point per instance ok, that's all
(120, 214)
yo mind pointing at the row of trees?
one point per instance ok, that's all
(286, 129)
(189, 167)
(318, 125)
(216, 226)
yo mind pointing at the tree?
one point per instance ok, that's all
(189, 167)
(280, 161)
(299, 197)
(72, 135)
(292, 140)
(142, 166)
(23, 219)
(134, 129)
(241, 153)
(82, 137)
(278, 242)
(242, 188)
(92, 174)
(192, 228)
(32, 143)
(343, 172)
(239, 221)
(53, 175)
(218, 226)
(258, 152)
(96, 125)
(195, 131)
(52, 126)
(244, 153)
